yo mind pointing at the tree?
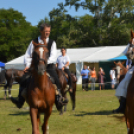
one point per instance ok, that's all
(15, 34)
(112, 19)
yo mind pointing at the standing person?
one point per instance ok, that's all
(93, 79)
(63, 62)
(52, 53)
(112, 76)
(84, 74)
(101, 74)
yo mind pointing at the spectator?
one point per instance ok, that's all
(112, 76)
(85, 73)
(89, 76)
(93, 79)
(101, 74)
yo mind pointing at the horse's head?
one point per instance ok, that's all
(130, 52)
(39, 57)
(119, 66)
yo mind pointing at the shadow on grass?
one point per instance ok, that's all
(25, 111)
(20, 113)
(7, 98)
(83, 113)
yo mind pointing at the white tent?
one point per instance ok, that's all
(78, 56)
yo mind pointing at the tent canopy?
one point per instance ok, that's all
(89, 54)
(119, 58)
(2, 64)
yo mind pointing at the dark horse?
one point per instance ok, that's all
(2, 76)
(11, 75)
(40, 94)
(63, 81)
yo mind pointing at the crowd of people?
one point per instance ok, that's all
(89, 75)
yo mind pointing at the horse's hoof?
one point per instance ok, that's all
(61, 113)
(10, 96)
(73, 109)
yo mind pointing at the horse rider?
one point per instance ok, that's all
(121, 90)
(63, 62)
(52, 52)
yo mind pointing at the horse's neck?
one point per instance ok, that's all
(40, 80)
(124, 69)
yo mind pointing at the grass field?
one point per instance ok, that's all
(92, 115)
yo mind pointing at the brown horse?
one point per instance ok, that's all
(121, 70)
(12, 75)
(63, 81)
(40, 92)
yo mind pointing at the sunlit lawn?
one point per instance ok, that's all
(92, 115)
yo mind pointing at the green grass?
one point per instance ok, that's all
(92, 115)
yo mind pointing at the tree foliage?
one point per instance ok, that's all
(15, 34)
(110, 23)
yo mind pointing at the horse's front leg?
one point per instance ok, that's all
(33, 114)
(45, 126)
(65, 106)
(38, 122)
(9, 88)
(5, 94)
(72, 96)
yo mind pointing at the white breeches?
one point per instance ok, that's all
(121, 90)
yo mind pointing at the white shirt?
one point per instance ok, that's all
(112, 73)
(28, 54)
(62, 61)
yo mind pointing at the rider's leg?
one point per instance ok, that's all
(52, 71)
(20, 101)
(121, 91)
(122, 106)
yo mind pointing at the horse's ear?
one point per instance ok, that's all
(115, 63)
(132, 34)
(123, 62)
(35, 44)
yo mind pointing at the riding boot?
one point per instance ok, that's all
(59, 100)
(122, 106)
(19, 103)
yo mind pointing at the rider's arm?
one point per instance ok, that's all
(67, 64)
(28, 55)
(53, 54)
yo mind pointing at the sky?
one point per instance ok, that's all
(35, 10)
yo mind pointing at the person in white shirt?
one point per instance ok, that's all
(63, 62)
(52, 52)
(112, 76)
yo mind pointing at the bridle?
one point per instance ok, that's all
(40, 59)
